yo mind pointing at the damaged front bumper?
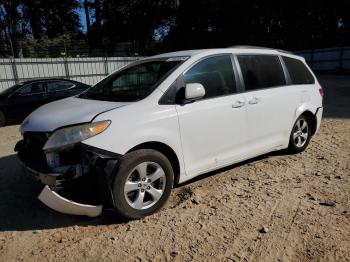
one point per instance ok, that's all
(80, 181)
(56, 202)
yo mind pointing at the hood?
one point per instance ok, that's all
(65, 112)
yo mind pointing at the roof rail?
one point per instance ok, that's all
(259, 47)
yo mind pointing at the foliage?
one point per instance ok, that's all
(148, 26)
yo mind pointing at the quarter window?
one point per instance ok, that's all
(298, 72)
(169, 97)
(58, 86)
(261, 71)
(215, 74)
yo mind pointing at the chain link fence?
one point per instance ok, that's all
(61, 58)
(76, 60)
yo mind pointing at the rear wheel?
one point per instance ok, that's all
(2, 119)
(300, 135)
(143, 183)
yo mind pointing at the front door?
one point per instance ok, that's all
(213, 129)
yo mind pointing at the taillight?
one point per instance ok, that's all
(321, 90)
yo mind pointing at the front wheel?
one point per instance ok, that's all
(300, 135)
(142, 184)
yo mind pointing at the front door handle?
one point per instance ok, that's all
(254, 101)
(238, 104)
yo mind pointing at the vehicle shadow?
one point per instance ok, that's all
(13, 123)
(21, 210)
(227, 168)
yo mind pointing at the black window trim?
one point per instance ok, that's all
(285, 72)
(180, 78)
(238, 75)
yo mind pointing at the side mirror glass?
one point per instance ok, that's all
(194, 91)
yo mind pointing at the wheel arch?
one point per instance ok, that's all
(312, 120)
(167, 151)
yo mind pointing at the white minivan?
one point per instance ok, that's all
(127, 141)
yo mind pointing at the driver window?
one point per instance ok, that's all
(215, 74)
(32, 89)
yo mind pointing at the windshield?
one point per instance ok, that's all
(133, 83)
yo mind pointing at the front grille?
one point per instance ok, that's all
(33, 155)
(32, 151)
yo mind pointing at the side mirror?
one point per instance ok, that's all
(14, 95)
(194, 91)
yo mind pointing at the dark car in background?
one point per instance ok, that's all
(21, 99)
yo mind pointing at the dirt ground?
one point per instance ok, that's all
(276, 207)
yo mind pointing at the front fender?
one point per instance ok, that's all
(137, 125)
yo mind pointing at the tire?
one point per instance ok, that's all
(135, 198)
(300, 136)
(2, 119)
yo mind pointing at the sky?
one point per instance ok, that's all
(81, 13)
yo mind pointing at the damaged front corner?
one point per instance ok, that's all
(65, 206)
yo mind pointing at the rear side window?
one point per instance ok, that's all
(215, 74)
(261, 71)
(298, 72)
(59, 86)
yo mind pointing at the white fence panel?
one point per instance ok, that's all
(39, 68)
(88, 70)
(90, 80)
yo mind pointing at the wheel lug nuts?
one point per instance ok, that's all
(139, 185)
(142, 190)
(149, 180)
(143, 179)
(148, 188)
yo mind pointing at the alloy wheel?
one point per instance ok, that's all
(145, 185)
(300, 133)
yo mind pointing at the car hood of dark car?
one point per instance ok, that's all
(66, 112)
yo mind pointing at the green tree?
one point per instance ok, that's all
(51, 18)
(11, 27)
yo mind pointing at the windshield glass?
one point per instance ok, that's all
(133, 83)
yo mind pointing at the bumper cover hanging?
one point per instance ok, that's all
(53, 200)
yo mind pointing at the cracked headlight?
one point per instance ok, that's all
(69, 136)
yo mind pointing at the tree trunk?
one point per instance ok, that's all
(87, 17)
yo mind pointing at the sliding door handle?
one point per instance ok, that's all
(254, 101)
(238, 104)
